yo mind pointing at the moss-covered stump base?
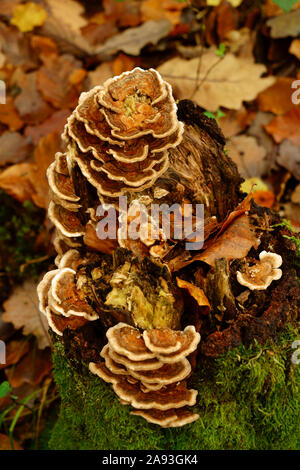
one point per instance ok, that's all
(248, 399)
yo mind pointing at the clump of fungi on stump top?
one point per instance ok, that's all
(134, 307)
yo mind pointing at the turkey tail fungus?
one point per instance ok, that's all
(127, 304)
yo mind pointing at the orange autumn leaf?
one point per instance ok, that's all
(196, 292)
(277, 98)
(15, 350)
(234, 243)
(159, 9)
(264, 198)
(5, 443)
(9, 115)
(295, 48)
(286, 126)
(16, 181)
(123, 63)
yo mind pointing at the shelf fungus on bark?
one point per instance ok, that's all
(262, 273)
(60, 297)
(150, 378)
(120, 133)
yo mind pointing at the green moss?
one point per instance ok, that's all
(248, 399)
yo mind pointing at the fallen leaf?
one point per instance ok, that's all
(286, 126)
(55, 123)
(27, 16)
(16, 47)
(271, 9)
(285, 5)
(234, 122)
(44, 154)
(98, 33)
(234, 243)
(258, 131)
(15, 350)
(29, 102)
(285, 25)
(295, 48)
(22, 310)
(264, 198)
(43, 46)
(251, 185)
(98, 76)
(277, 98)
(14, 147)
(5, 443)
(196, 292)
(54, 81)
(289, 157)
(9, 115)
(32, 368)
(248, 155)
(122, 63)
(158, 9)
(92, 241)
(226, 81)
(132, 40)
(16, 181)
(240, 42)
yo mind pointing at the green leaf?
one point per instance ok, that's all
(285, 5)
(221, 49)
(5, 388)
(209, 114)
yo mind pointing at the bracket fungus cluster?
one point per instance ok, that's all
(128, 137)
(149, 370)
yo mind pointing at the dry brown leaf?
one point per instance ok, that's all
(32, 369)
(5, 443)
(15, 350)
(98, 76)
(234, 243)
(92, 241)
(16, 47)
(123, 63)
(29, 102)
(16, 181)
(226, 81)
(285, 25)
(158, 9)
(9, 115)
(55, 123)
(286, 126)
(132, 40)
(257, 130)
(196, 292)
(56, 83)
(248, 155)
(289, 157)
(44, 154)
(14, 147)
(22, 310)
(277, 98)
(234, 122)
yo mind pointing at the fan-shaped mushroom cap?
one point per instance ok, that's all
(71, 259)
(66, 299)
(148, 364)
(120, 133)
(128, 341)
(167, 374)
(171, 396)
(103, 372)
(113, 366)
(66, 221)
(169, 345)
(262, 273)
(60, 184)
(61, 163)
(43, 289)
(58, 323)
(168, 418)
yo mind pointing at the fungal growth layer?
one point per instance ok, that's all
(149, 370)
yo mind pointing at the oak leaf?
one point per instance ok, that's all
(226, 81)
(22, 310)
(286, 126)
(248, 155)
(277, 98)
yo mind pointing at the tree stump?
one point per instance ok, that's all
(248, 387)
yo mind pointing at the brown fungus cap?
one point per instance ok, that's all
(65, 220)
(171, 396)
(262, 273)
(169, 345)
(168, 418)
(128, 341)
(120, 132)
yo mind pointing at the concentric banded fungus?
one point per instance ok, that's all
(119, 134)
(264, 271)
(168, 418)
(141, 379)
